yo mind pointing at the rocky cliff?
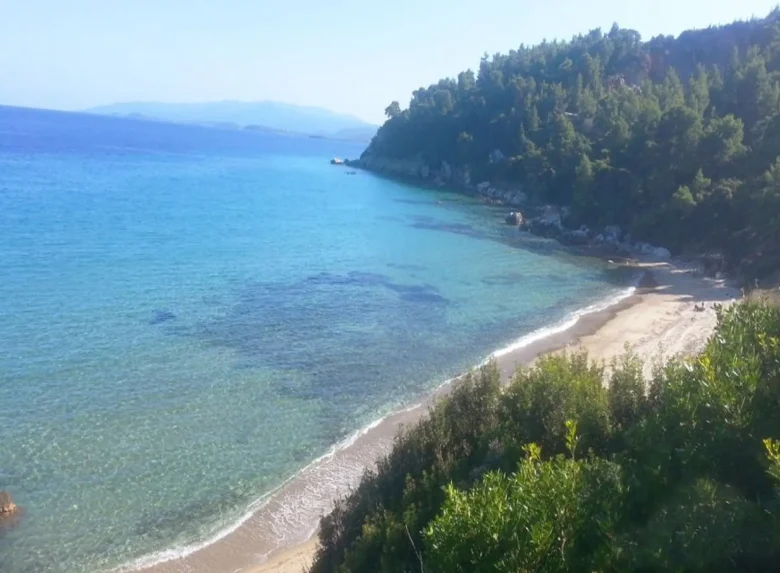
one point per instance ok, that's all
(441, 175)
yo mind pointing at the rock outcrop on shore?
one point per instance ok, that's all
(440, 175)
(7, 506)
(514, 218)
(416, 169)
(549, 221)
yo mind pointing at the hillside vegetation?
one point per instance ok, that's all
(675, 139)
(558, 472)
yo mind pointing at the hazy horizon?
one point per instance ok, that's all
(345, 57)
(213, 101)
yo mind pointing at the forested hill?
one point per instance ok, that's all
(675, 139)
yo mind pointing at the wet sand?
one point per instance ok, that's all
(657, 321)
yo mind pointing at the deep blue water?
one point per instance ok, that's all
(188, 316)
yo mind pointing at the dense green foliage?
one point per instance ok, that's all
(559, 471)
(677, 140)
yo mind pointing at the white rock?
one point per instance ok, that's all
(553, 220)
(662, 253)
(496, 156)
(613, 230)
(520, 197)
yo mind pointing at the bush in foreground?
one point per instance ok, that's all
(561, 472)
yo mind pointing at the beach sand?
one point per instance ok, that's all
(658, 321)
(296, 559)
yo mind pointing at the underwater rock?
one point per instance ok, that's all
(160, 316)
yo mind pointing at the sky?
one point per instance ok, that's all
(350, 56)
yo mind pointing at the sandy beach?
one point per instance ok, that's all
(658, 321)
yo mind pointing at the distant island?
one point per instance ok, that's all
(673, 141)
(264, 116)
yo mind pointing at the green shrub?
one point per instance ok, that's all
(540, 400)
(554, 515)
(702, 526)
(366, 531)
(627, 393)
(681, 476)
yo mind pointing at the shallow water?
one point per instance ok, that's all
(188, 316)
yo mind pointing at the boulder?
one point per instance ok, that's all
(551, 217)
(7, 506)
(496, 156)
(519, 198)
(612, 234)
(662, 253)
(483, 187)
(514, 218)
(546, 226)
(642, 248)
(710, 264)
(613, 230)
(446, 171)
(462, 177)
(576, 237)
(161, 315)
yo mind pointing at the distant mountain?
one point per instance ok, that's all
(265, 114)
(365, 133)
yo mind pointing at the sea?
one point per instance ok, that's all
(190, 316)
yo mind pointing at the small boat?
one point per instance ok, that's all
(336, 161)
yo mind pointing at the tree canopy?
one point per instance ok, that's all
(675, 139)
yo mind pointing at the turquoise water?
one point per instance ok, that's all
(188, 316)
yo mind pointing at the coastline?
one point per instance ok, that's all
(657, 320)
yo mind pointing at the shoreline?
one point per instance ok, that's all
(402, 172)
(658, 311)
(417, 180)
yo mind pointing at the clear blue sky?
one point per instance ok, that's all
(351, 56)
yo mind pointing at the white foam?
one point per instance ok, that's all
(179, 552)
(564, 325)
(185, 550)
